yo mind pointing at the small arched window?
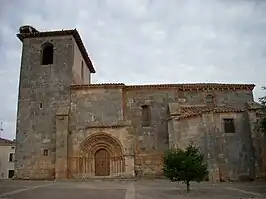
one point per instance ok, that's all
(47, 54)
(209, 99)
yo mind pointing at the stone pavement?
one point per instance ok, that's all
(141, 189)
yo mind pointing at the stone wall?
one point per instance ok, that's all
(98, 110)
(233, 98)
(77, 68)
(259, 146)
(230, 156)
(151, 141)
(228, 97)
(42, 89)
(96, 106)
(62, 134)
(113, 105)
(156, 139)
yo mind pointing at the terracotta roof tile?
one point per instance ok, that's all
(196, 86)
(104, 85)
(199, 86)
(253, 105)
(190, 111)
(72, 32)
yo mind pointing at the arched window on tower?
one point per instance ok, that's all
(47, 54)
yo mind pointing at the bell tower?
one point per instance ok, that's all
(51, 61)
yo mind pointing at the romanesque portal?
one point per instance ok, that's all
(101, 155)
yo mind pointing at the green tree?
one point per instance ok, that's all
(262, 119)
(185, 165)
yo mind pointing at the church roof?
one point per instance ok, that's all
(197, 86)
(190, 111)
(72, 32)
(253, 105)
(183, 87)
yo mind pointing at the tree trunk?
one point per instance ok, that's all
(188, 186)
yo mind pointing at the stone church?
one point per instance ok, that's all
(68, 127)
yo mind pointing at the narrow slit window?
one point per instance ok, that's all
(45, 152)
(82, 70)
(229, 126)
(209, 99)
(11, 157)
(47, 54)
(41, 105)
(146, 116)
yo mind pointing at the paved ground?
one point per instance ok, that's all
(142, 189)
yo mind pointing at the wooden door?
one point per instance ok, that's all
(102, 163)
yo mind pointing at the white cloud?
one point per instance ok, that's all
(149, 40)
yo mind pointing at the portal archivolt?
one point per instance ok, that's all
(101, 155)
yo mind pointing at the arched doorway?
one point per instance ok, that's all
(102, 163)
(101, 155)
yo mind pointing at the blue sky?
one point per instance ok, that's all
(143, 41)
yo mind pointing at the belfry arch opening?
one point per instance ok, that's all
(47, 54)
(101, 155)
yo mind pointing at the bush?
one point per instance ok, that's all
(185, 165)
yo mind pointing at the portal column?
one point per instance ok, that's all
(129, 166)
